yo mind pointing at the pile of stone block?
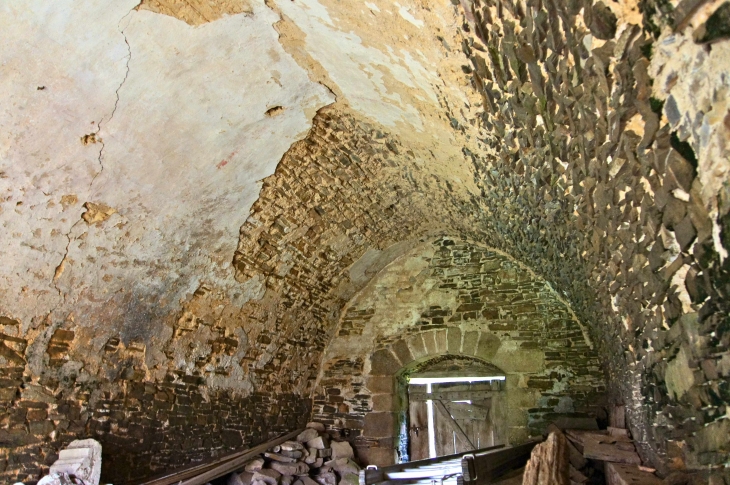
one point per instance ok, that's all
(312, 459)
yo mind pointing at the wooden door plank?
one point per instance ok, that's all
(450, 395)
(418, 432)
(439, 405)
(466, 411)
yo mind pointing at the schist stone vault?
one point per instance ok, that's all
(223, 219)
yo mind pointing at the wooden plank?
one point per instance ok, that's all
(609, 452)
(450, 395)
(240, 457)
(617, 416)
(578, 436)
(483, 468)
(576, 476)
(618, 432)
(468, 386)
(418, 430)
(439, 405)
(622, 474)
(462, 410)
(548, 464)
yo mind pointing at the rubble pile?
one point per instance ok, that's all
(312, 459)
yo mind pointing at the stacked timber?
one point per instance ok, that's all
(577, 452)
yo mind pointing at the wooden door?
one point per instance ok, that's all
(467, 425)
(461, 418)
(418, 429)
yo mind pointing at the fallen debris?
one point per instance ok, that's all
(312, 459)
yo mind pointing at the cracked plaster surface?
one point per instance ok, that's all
(135, 143)
(164, 123)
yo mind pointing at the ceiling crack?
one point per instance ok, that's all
(62, 265)
(116, 93)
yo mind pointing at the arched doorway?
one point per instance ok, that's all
(453, 298)
(452, 405)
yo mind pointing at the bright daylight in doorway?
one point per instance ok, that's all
(428, 381)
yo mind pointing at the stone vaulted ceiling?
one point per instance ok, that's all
(191, 192)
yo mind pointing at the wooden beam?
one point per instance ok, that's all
(483, 468)
(439, 405)
(201, 474)
(451, 396)
(609, 452)
(620, 474)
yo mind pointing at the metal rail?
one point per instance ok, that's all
(478, 467)
(420, 471)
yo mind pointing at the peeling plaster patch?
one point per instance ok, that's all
(252, 289)
(372, 6)
(184, 198)
(197, 12)
(366, 76)
(97, 212)
(406, 14)
(79, 59)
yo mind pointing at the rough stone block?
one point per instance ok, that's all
(380, 384)
(289, 468)
(487, 346)
(343, 466)
(254, 465)
(243, 478)
(82, 459)
(318, 443)
(267, 475)
(454, 340)
(383, 402)
(294, 445)
(401, 350)
(416, 346)
(304, 480)
(469, 345)
(326, 478)
(307, 435)
(318, 426)
(379, 425)
(384, 363)
(341, 449)
(442, 342)
(429, 341)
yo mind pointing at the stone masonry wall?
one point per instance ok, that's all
(608, 175)
(336, 196)
(462, 299)
(145, 427)
(598, 159)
